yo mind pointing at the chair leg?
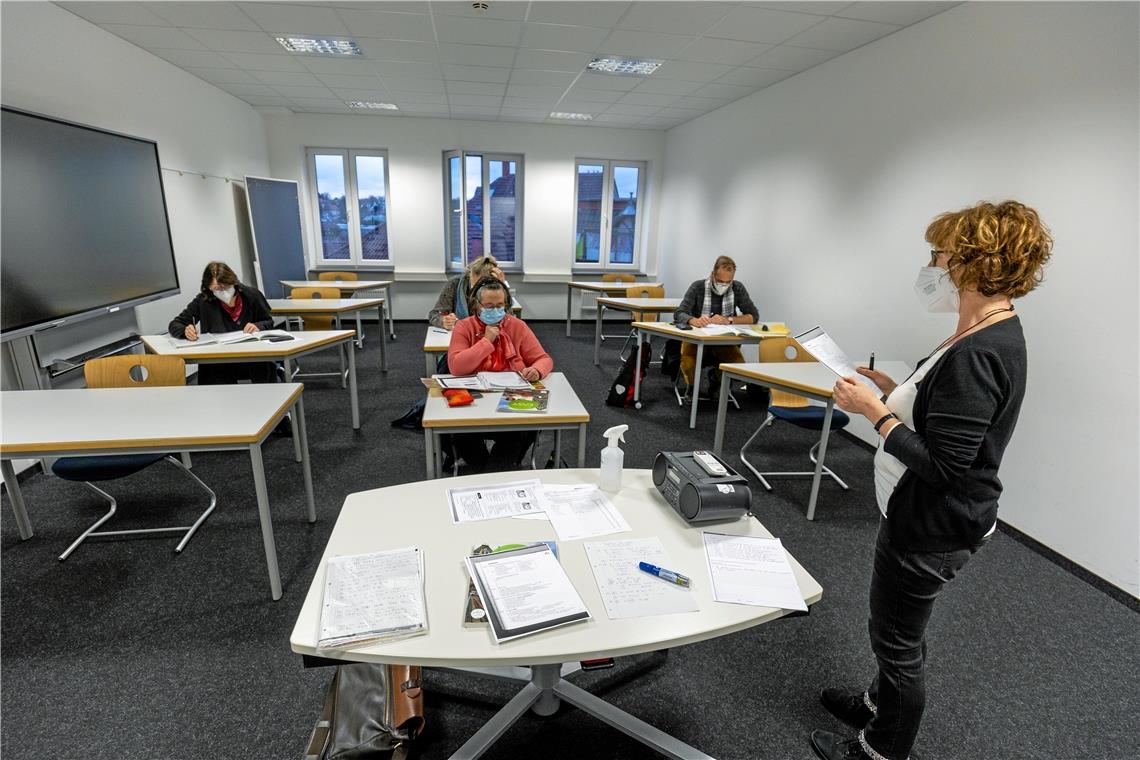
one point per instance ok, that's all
(744, 460)
(87, 533)
(201, 518)
(826, 469)
(632, 336)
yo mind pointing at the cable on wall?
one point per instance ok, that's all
(203, 175)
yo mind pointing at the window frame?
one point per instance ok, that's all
(486, 157)
(603, 264)
(348, 158)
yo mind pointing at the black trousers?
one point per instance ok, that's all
(507, 449)
(904, 586)
(229, 374)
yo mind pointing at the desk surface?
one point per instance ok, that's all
(322, 305)
(610, 287)
(349, 285)
(437, 340)
(641, 304)
(564, 408)
(417, 514)
(697, 334)
(812, 377)
(138, 419)
(263, 349)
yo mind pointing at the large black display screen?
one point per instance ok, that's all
(84, 220)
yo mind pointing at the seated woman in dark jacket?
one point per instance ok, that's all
(226, 305)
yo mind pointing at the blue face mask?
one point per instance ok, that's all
(493, 316)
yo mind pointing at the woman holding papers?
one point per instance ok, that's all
(719, 299)
(941, 442)
(225, 305)
(495, 341)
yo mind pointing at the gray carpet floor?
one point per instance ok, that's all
(129, 651)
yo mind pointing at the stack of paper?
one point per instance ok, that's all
(751, 570)
(373, 597)
(236, 336)
(484, 381)
(581, 512)
(523, 497)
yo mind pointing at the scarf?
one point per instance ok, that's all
(234, 311)
(727, 303)
(462, 292)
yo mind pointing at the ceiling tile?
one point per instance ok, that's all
(350, 81)
(319, 102)
(760, 25)
(718, 90)
(393, 26)
(534, 91)
(607, 82)
(115, 13)
(746, 76)
(627, 109)
(654, 123)
(593, 96)
(647, 99)
(398, 50)
(700, 104)
(236, 42)
(302, 91)
(241, 90)
(792, 58)
(679, 113)
(294, 18)
(452, 71)
(673, 18)
(604, 14)
(561, 37)
(400, 97)
(528, 103)
(612, 120)
(666, 86)
(476, 55)
(483, 101)
(425, 109)
(842, 34)
(476, 88)
(413, 84)
(643, 44)
(904, 13)
(804, 6)
(691, 71)
(265, 100)
(551, 78)
(508, 9)
(714, 50)
(164, 37)
(551, 60)
(407, 69)
(475, 111)
(384, 5)
(321, 65)
(259, 62)
(201, 15)
(581, 106)
(200, 58)
(475, 31)
(288, 78)
(223, 76)
(525, 115)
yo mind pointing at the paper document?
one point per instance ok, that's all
(743, 331)
(628, 592)
(372, 597)
(751, 570)
(470, 382)
(237, 336)
(819, 344)
(525, 591)
(498, 381)
(495, 500)
(581, 512)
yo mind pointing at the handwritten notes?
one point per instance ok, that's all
(373, 596)
(628, 592)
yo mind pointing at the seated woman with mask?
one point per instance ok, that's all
(495, 341)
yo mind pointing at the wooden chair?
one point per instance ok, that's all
(616, 277)
(640, 291)
(337, 276)
(792, 409)
(136, 370)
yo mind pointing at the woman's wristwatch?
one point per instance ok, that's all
(883, 420)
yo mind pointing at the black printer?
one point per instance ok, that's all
(701, 486)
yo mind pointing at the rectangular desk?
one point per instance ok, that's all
(287, 352)
(652, 306)
(168, 420)
(349, 288)
(602, 288)
(565, 412)
(808, 379)
(335, 308)
(416, 514)
(698, 337)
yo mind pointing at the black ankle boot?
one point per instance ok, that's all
(846, 705)
(829, 746)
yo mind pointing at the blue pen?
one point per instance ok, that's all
(663, 574)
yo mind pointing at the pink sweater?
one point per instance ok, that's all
(470, 352)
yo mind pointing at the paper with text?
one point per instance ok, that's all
(373, 596)
(819, 344)
(628, 592)
(751, 570)
(581, 512)
(491, 501)
(528, 591)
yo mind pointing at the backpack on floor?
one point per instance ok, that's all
(621, 391)
(371, 712)
(671, 359)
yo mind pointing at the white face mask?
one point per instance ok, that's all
(225, 295)
(936, 291)
(720, 288)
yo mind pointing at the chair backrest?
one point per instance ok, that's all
(317, 322)
(120, 372)
(337, 276)
(614, 277)
(645, 291)
(784, 350)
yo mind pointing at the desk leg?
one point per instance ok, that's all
(696, 389)
(360, 329)
(301, 435)
(582, 445)
(429, 453)
(17, 499)
(637, 373)
(819, 462)
(721, 414)
(266, 519)
(557, 449)
(597, 332)
(388, 308)
(341, 350)
(288, 370)
(384, 337)
(569, 302)
(429, 364)
(352, 389)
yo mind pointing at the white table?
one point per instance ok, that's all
(417, 514)
(601, 288)
(167, 420)
(808, 379)
(286, 351)
(349, 288)
(335, 308)
(564, 412)
(652, 306)
(700, 338)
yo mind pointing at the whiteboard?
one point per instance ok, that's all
(278, 242)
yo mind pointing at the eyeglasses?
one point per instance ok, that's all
(935, 253)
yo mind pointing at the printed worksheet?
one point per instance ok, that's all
(751, 570)
(819, 344)
(492, 501)
(629, 592)
(581, 512)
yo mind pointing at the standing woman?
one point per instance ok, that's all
(226, 305)
(719, 299)
(942, 432)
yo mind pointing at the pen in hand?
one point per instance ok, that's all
(665, 575)
(871, 364)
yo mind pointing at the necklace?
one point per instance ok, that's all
(959, 334)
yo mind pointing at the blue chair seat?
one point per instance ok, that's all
(97, 468)
(809, 417)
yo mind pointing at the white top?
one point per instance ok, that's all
(417, 514)
(252, 349)
(563, 407)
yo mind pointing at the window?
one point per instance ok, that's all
(607, 196)
(349, 189)
(484, 212)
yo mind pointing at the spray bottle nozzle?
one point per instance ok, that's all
(615, 434)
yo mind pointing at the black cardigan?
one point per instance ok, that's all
(209, 312)
(964, 415)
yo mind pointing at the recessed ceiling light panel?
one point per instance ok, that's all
(633, 67)
(319, 46)
(571, 116)
(373, 106)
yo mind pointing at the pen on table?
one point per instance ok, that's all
(663, 574)
(872, 362)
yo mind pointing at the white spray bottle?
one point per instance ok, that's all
(612, 459)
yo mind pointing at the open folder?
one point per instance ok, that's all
(237, 336)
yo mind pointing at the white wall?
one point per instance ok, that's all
(415, 228)
(822, 186)
(60, 65)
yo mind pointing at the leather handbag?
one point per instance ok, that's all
(371, 712)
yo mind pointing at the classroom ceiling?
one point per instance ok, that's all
(514, 62)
